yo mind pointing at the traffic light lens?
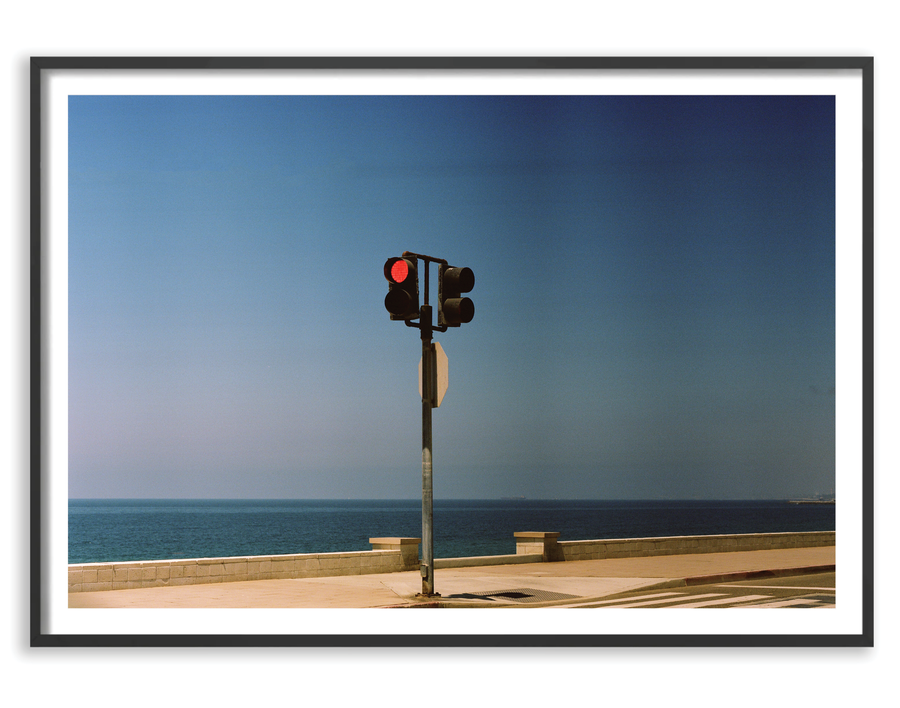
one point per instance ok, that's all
(458, 310)
(402, 300)
(465, 279)
(398, 302)
(399, 271)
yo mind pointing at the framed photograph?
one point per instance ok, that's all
(638, 292)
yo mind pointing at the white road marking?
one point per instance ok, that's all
(776, 587)
(670, 599)
(686, 600)
(724, 600)
(790, 603)
(623, 599)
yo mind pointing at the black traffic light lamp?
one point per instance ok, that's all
(453, 309)
(402, 300)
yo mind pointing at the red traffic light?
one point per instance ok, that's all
(400, 270)
(402, 300)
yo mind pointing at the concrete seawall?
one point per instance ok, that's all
(552, 549)
(389, 555)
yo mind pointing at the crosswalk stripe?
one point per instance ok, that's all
(686, 600)
(598, 603)
(670, 599)
(723, 601)
(789, 603)
(777, 587)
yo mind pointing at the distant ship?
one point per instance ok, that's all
(511, 498)
(811, 501)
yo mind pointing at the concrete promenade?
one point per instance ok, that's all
(519, 585)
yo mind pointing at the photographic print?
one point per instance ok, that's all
(549, 349)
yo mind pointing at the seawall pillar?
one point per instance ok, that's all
(543, 542)
(408, 547)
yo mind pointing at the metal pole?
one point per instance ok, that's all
(428, 395)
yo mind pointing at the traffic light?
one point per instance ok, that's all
(402, 300)
(453, 309)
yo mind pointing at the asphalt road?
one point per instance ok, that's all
(797, 591)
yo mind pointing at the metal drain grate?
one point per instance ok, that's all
(519, 595)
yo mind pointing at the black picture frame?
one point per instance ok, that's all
(43, 68)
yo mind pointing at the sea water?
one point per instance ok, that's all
(106, 530)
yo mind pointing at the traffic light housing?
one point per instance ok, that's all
(453, 309)
(402, 300)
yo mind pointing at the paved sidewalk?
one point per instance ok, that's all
(521, 585)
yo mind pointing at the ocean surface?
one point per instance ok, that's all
(104, 530)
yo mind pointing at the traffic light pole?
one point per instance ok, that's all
(402, 303)
(428, 395)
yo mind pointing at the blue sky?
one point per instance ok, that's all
(654, 295)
